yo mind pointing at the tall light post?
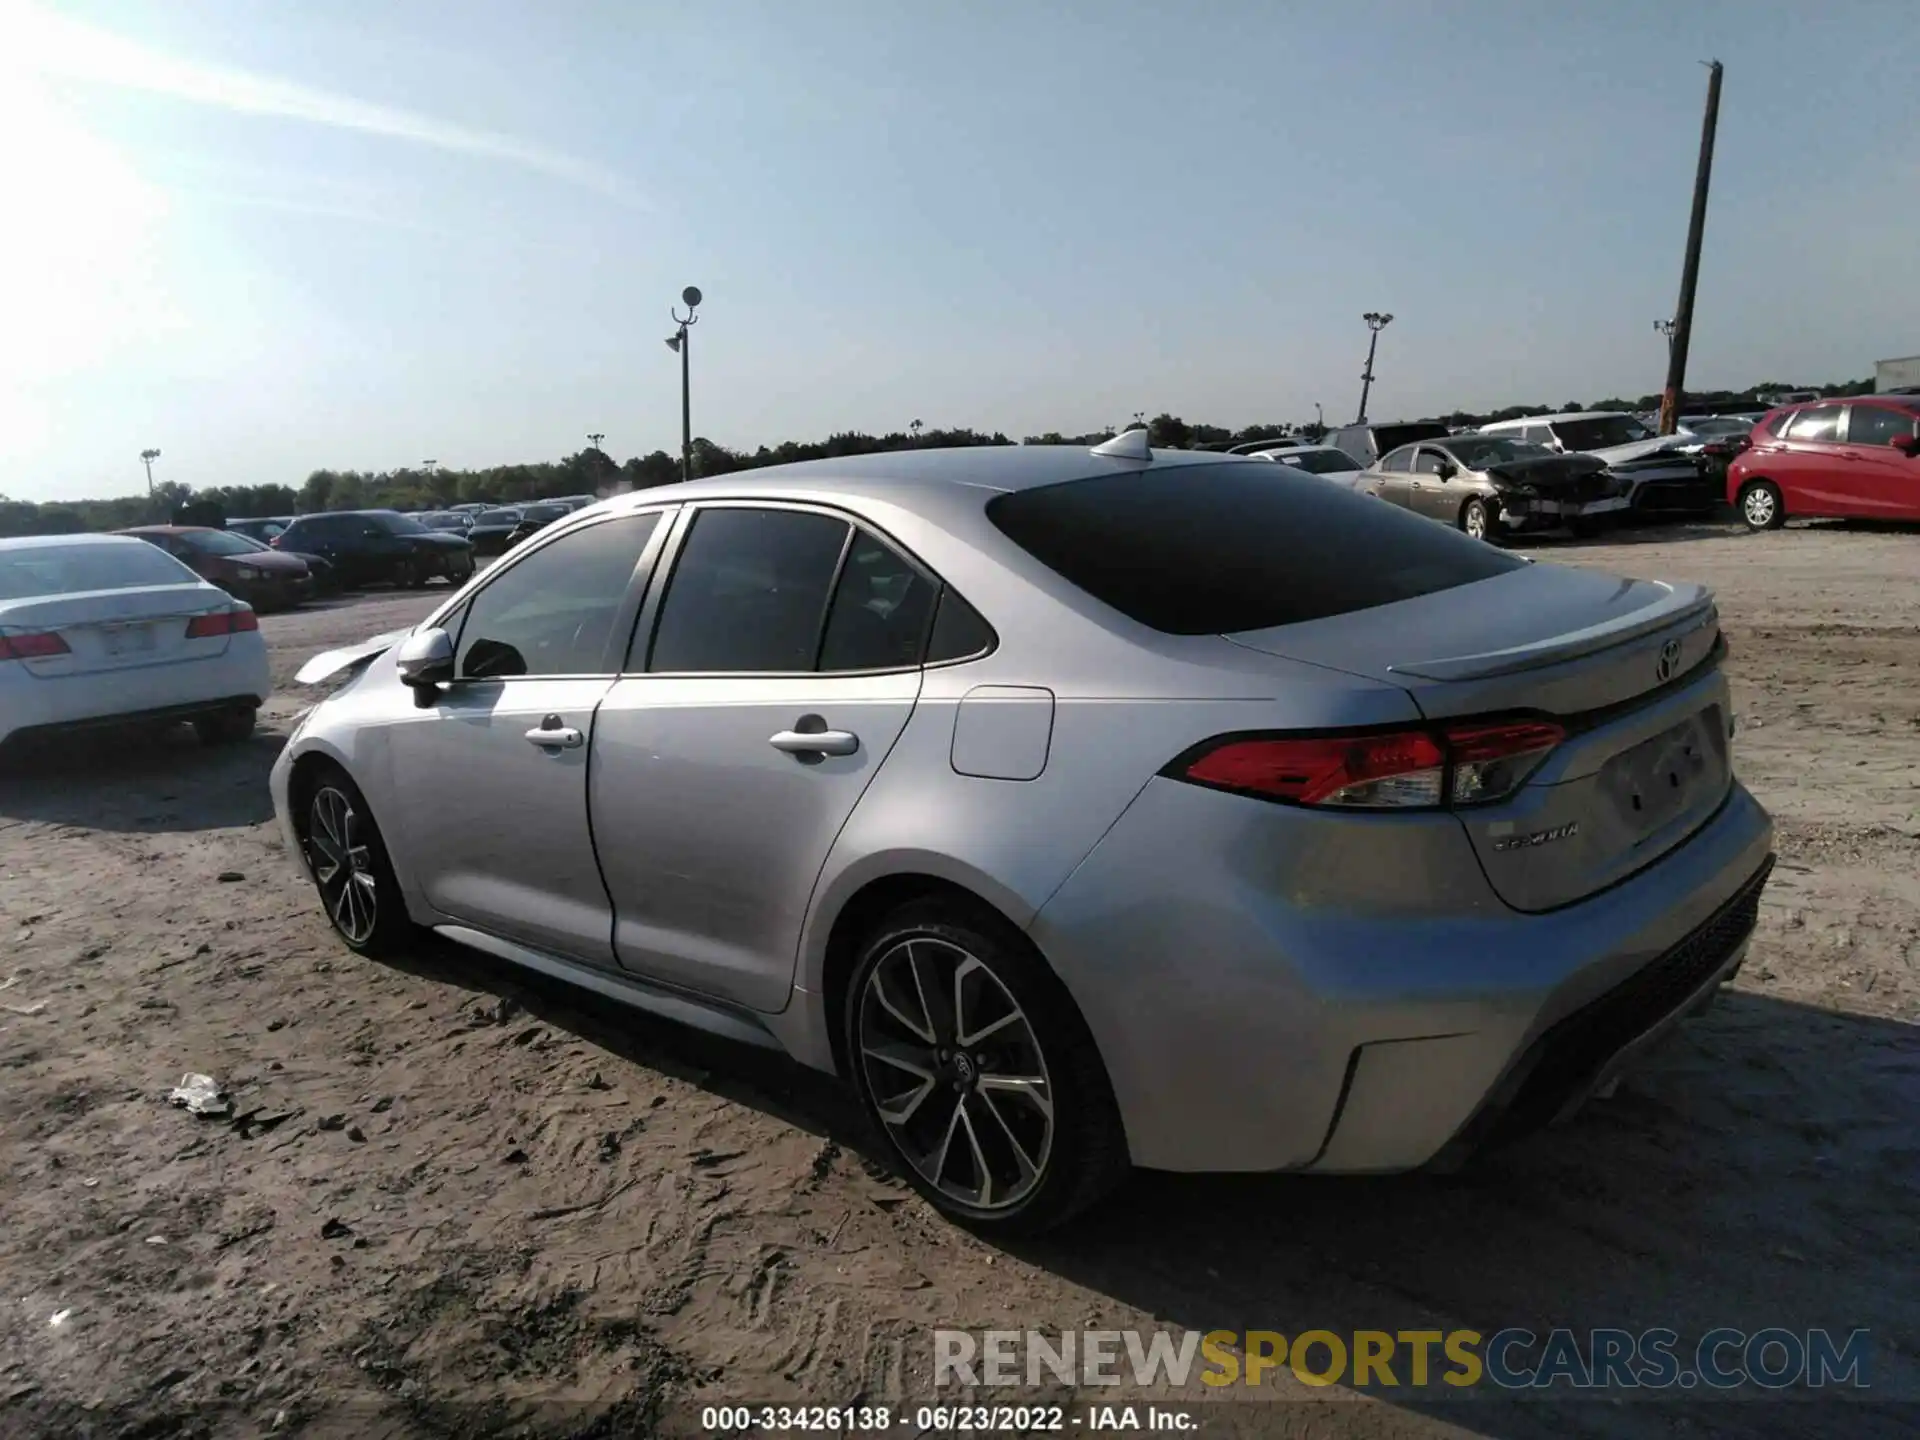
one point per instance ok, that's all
(595, 437)
(147, 457)
(1665, 327)
(1319, 417)
(429, 466)
(1376, 322)
(681, 341)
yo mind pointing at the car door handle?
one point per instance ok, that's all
(557, 737)
(815, 742)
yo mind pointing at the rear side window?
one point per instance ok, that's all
(1216, 549)
(881, 607)
(959, 631)
(1398, 461)
(749, 592)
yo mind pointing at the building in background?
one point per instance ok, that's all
(1889, 375)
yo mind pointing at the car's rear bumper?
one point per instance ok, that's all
(1688, 492)
(144, 694)
(1259, 1021)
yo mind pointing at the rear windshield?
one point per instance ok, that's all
(1215, 549)
(219, 542)
(545, 512)
(36, 570)
(1319, 462)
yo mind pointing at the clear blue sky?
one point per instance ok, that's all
(271, 237)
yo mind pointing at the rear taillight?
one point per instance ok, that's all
(37, 645)
(221, 622)
(1471, 763)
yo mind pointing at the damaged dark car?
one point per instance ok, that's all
(1491, 486)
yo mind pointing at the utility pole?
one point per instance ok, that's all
(1690, 271)
(681, 341)
(1376, 322)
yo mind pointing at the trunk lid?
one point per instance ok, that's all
(117, 629)
(1629, 666)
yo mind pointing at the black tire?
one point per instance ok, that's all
(1761, 505)
(390, 931)
(1481, 520)
(229, 727)
(1082, 1148)
(406, 575)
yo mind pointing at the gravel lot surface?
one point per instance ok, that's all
(462, 1202)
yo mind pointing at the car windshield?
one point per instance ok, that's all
(1482, 451)
(1199, 549)
(445, 521)
(35, 570)
(1318, 462)
(396, 524)
(498, 517)
(1601, 431)
(545, 512)
(1718, 425)
(219, 542)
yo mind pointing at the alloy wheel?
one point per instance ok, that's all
(956, 1073)
(1475, 521)
(1758, 505)
(342, 865)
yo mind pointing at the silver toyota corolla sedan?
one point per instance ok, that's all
(1084, 809)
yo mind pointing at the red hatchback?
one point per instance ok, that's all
(1856, 459)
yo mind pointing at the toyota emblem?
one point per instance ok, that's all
(1669, 661)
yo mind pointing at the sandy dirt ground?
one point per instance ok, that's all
(460, 1202)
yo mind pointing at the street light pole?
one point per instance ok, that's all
(1376, 322)
(595, 438)
(147, 457)
(681, 341)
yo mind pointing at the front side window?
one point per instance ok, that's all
(552, 613)
(1878, 424)
(1428, 462)
(748, 593)
(1817, 423)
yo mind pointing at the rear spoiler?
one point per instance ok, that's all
(1685, 606)
(329, 664)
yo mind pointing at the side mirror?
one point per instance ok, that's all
(425, 659)
(1908, 445)
(1447, 470)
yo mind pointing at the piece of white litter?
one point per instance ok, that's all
(201, 1094)
(156, 1239)
(8, 983)
(33, 1009)
(59, 1317)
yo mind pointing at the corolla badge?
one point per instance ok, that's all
(1668, 663)
(1538, 837)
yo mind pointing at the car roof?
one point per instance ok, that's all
(164, 530)
(42, 542)
(1555, 419)
(996, 469)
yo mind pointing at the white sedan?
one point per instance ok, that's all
(107, 629)
(1322, 460)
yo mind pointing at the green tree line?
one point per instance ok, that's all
(592, 471)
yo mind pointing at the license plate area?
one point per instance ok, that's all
(129, 639)
(1661, 777)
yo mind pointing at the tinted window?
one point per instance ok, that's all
(1777, 423)
(1877, 424)
(1319, 462)
(34, 570)
(1399, 460)
(553, 612)
(394, 523)
(1817, 422)
(749, 592)
(881, 607)
(217, 542)
(958, 630)
(498, 517)
(1197, 550)
(1427, 462)
(1601, 432)
(1478, 452)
